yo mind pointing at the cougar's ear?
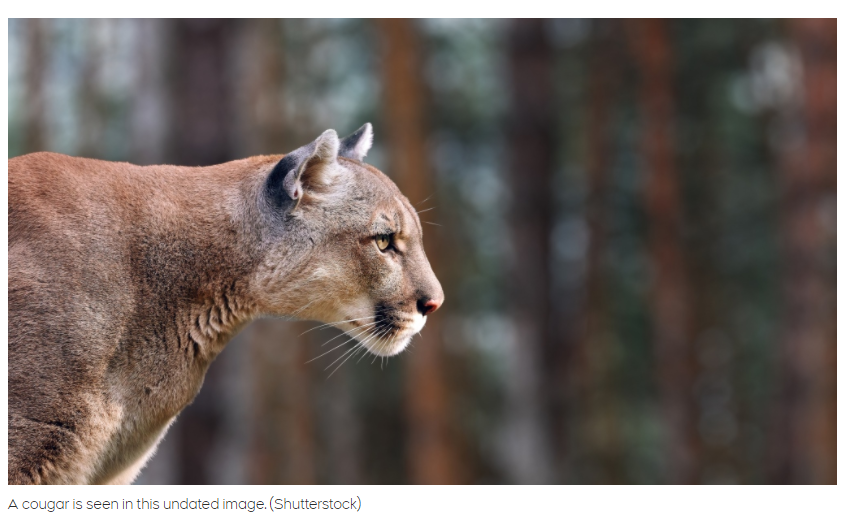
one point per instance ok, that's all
(303, 168)
(356, 146)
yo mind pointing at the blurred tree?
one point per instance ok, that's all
(93, 101)
(706, 175)
(430, 455)
(35, 117)
(651, 49)
(593, 365)
(283, 446)
(202, 91)
(262, 116)
(148, 122)
(805, 435)
(531, 137)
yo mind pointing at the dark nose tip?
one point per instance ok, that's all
(427, 305)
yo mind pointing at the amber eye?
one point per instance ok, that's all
(383, 241)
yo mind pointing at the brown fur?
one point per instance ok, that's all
(125, 282)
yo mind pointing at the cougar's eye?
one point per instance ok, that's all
(383, 241)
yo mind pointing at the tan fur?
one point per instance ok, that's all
(125, 282)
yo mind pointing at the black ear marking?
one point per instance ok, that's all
(357, 145)
(276, 190)
(305, 164)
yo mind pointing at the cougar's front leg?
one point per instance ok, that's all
(43, 452)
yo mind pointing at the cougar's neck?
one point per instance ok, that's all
(206, 325)
(195, 249)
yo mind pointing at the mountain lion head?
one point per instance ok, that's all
(355, 240)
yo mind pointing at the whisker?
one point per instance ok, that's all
(376, 340)
(377, 346)
(366, 342)
(424, 210)
(361, 347)
(363, 354)
(351, 338)
(432, 223)
(380, 342)
(426, 198)
(355, 337)
(326, 325)
(349, 331)
(352, 352)
(384, 339)
(300, 309)
(344, 357)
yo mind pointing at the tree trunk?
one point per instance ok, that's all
(804, 445)
(531, 140)
(148, 122)
(430, 453)
(593, 366)
(202, 92)
(92, 100)
(35, 114)
(262, 128)
(283, 447)
(662, 198)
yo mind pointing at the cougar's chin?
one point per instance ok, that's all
(390, 347)
(387, 332)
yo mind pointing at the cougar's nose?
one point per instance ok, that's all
(428, 305)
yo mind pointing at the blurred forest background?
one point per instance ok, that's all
(635, 231)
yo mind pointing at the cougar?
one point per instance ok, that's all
(125, 282)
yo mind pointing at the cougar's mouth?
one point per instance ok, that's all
(392, 330)
(387, 332)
